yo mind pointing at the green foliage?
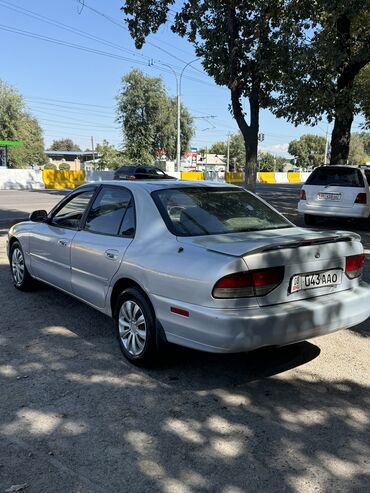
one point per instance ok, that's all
(64, 167)
(219, 148)
(50, 166)
(308, 150)
(64, 145)
(365, 137)
(362, 92)
(109, 156)
(269, 162)
(357, 154)
(148, 119)
(17, 124)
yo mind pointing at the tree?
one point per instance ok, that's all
(365, 137)
(148, 119)
(64, 145)
(236, 41)
(109, 156)
(219, 148)
(64, 167)
(357, 154)
(319, 75)
(308, 150)
(362, 92)
(17, 124)
(269, 162)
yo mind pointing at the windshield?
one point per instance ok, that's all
(336, 176)
(215, 210)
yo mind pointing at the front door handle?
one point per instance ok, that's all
(111, 254)
(63, 242)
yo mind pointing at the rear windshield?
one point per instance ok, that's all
(126, 170)
(209, 211)
(338, 176)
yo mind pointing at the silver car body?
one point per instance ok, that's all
(180, 273)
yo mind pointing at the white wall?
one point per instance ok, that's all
(20, 179)
(99, 175)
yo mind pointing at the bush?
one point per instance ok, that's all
(64, 167)
(50, 166)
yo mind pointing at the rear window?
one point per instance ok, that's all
(209, 211)
(126, 170)
(336, 176)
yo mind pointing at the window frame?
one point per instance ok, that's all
(99, 189)
(68, 199)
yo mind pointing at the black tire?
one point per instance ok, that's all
(138, 350)
(310, 220)
(21, 278)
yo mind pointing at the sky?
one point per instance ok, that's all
(67, 60)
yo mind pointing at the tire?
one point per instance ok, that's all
(138, 341)
(22, 279)
(310, 220)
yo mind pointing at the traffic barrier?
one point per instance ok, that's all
(294, 177)
(192, 175)
(266, 177)
(63, 179)
(21, 179)
(235, 178)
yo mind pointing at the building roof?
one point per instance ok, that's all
(70, 153)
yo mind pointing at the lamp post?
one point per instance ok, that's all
(178, 91)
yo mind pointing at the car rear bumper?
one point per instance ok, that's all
(356, 211)
(223, 330)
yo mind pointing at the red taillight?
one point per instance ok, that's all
(354, 265)
(131, 177)
(302, 195)
(361, 198)
(249, 284)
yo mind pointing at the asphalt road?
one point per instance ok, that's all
(75, 417)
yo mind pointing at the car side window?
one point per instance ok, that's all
(140, 169)
(128, 225)
(108, 210)
(70, 215)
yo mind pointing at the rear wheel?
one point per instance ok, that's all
(135, 322)
(21, 277)
(310, 220)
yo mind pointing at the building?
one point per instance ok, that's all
(75, 159)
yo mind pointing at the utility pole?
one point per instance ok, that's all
(228, 154)
(93, 150)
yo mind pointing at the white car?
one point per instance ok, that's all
(335, 191)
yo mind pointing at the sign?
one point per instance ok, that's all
(194, 155)
(14, 143)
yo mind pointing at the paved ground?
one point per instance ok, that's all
(75, 417)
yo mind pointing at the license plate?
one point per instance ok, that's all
(329, 196)
(316, 280)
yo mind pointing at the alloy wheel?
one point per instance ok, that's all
(17, 266)
(132, 327)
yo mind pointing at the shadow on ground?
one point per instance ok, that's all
(76, 417)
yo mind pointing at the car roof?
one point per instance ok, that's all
(151, 185)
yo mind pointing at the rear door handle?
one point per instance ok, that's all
(111, 254)
(63, 242)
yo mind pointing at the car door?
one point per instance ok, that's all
(50, 242)
(98, 248)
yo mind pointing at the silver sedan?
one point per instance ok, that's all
(201, 265)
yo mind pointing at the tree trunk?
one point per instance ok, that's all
(340, 138)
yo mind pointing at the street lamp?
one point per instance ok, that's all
(178, 90)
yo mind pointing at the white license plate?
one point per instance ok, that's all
(316, 280)
(329, 196)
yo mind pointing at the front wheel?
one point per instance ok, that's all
(135, 322)
(22, 279)
(310, 220)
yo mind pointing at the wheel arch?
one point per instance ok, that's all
(122, 284)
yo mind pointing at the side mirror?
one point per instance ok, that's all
(38, 216)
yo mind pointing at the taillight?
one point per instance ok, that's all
(354, 266)
(115, 177)
(361, 198)
(302, 195)
(131, 177)
(249, 284)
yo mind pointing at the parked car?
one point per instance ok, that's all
(201, 265)
(335, 191)
(141, 173)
